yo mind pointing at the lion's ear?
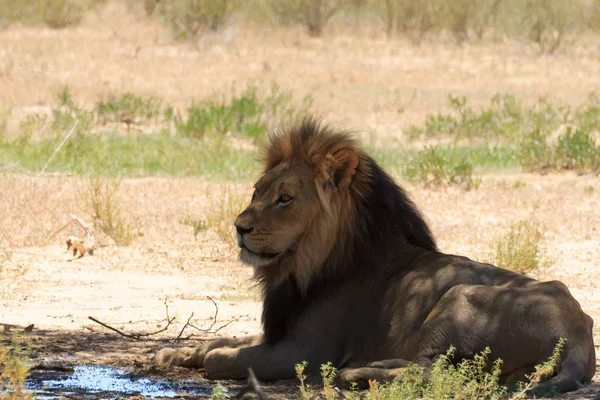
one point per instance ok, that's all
(345, 162)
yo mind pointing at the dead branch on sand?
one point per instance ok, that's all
(146, 336)
(138, 336)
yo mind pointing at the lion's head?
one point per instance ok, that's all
(319, 199)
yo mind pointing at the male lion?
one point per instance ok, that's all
(350, 274)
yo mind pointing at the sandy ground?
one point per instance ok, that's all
(359, 79)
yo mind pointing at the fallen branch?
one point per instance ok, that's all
(144, 336)
(138, 336)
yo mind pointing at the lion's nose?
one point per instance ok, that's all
(242, 229)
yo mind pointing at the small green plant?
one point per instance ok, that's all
(68, 115)
(328, 373)
(518, 185)
(306, 391)
(541, 371)
(129, 108)
(101, 197)
(219, 392)
(13, 371)
(519, 249)
(196, 224)
(589, 189)
(435, 166)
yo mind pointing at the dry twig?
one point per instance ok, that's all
(138, 336)
(253, 386)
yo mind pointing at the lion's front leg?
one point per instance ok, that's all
(189, 357)
(268, 361)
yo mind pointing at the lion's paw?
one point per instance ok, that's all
(182, 357)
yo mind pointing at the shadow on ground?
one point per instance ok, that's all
(88, 365)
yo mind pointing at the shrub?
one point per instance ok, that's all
(436, 166)
(314, 14)
(128, 108)
(187, 18)
(519, 249)
(56, 14)
(577, 149)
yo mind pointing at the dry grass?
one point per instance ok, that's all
(101, 198)
(14, 369)
(520, 249)
(225, 206)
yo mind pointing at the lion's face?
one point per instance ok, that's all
(284, 202)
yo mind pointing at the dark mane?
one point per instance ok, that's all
(380, 214)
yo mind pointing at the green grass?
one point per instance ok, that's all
(446, 165)
(506, 135)
(130, 108)
(249, 114)
(116, 154)
(506, 118)
(526, 134)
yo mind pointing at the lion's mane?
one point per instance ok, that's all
(350, 232)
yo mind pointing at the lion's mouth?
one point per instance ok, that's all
(268, 256)
(255, 259)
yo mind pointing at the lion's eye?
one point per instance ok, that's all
(284, 199)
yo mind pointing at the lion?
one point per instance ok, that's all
(351, 274)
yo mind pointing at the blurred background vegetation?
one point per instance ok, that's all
(545, 22)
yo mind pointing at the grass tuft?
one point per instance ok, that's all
(519, 250)
(101, 197)
(226, 204)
